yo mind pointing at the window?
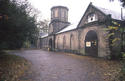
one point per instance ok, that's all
(52, 14)
(56, 13)
(64, 42)
(63, 13)
(71, 39)
(92, 17)
(66, 15)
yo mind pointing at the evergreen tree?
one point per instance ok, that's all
(16, 24)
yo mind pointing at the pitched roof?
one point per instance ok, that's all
(114, 14)
(68, 28)
(42, 35)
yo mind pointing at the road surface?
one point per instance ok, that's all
(56, 66)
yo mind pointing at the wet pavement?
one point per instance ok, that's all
(56, 66)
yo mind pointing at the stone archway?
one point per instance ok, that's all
(91, 43)
(50, 44)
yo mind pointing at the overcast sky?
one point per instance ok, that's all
(76, 7)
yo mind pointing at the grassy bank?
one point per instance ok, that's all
(12, 67)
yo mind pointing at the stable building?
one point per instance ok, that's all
(88, 37)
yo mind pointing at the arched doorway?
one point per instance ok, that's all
(91, 43)
(50, 44)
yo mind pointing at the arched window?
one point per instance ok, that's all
(58, 42)
(64, 42)
(71, 41)
(50, 43)
(92, 17)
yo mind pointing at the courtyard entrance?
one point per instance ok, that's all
(91, 44)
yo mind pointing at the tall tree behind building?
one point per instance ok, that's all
(43, 26)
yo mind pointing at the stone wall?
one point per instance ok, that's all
(99, 16)
(67, 41)
(44, 43)
(103, 44)
(74, 41)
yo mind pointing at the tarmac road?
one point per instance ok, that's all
(56, 66)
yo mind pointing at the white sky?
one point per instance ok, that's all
(76, 7)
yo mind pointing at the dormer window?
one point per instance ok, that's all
(92, 17)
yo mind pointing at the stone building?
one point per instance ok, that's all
(88, 37)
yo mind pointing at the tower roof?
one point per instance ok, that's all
(59, 7)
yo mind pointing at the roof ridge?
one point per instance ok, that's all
(105, 8)
(115, 14)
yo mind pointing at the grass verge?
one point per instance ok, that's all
(12, 67)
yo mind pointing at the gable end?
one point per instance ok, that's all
(99, 15)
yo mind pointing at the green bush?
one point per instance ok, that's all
(122, 73)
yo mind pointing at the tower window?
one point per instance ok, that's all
(56, 13)
(63, 13)
(52, 14)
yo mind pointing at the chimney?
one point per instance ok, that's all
(121, 14)
(90, 3)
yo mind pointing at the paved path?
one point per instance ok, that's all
(55, 66)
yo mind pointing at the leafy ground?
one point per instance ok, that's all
(12, 67)
(110, 69)
(122, 72)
